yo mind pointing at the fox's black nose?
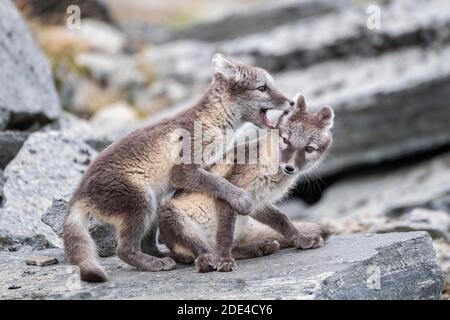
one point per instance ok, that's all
(289, 169)
(291, 102)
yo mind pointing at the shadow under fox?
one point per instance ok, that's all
(198, 227)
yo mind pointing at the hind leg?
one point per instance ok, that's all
(184, 247)
(149, 243)
(132, 230)
(256, 249)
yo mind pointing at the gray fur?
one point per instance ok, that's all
(129, 180)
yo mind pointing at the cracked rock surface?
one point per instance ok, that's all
(387, 266)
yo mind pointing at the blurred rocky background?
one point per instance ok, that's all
(66, 93)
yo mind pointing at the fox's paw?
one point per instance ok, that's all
(162, 264)
(205, 263)
(310, 235)
(241, 202)
(308, 242)
(269, 246)
(226, 264)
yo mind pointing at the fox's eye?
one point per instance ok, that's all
(309, 149)
(285, 140)
(262, 88)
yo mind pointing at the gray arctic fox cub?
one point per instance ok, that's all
(128, 181)
(198, 227)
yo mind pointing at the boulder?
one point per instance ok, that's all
(309, 41)
(243, 20)
(387, 266)
(10, 144)
(257, 19)
(103, 234)
(49, 164)
(306, 42)
(27, 93)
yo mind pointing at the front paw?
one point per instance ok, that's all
(205, 262)
(310, 235)
(226, 264)
(241, 202)
(308, 242)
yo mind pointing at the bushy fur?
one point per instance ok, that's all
(196, 226)
(127, 182)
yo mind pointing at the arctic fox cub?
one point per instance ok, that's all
(127, 182)
(199, 227)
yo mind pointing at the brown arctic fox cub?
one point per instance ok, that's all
(127, 182)
(198, 227)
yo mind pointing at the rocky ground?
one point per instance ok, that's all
(393, 266)
(66, 94)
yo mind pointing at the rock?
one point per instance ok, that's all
(256, 19)
(10, 144)
(115, 120)
(120, 72)
(27, 92)
(73, 127)
(379, 105)
(243, 19)
(347, 267)
(310, 41)
(314, 40)
(385, 194)
(48, 165)
(100, 36)
(187, 61)
(103, 234)
(436, 223)
(79, 129)
(41, 261)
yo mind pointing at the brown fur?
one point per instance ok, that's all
(209, 230)
(128, 181)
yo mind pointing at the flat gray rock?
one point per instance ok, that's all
(309, 41)
(49, 164)
(388, 266)
(27, 92)
(304, 42)
(257, 19)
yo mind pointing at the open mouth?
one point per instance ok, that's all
(266, 120)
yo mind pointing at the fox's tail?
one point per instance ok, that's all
(257, 231)
(79, 247)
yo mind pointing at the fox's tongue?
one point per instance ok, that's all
(266, 119)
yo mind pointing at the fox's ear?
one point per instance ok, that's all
(224, 66)
(326, 118)
(300, 104)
